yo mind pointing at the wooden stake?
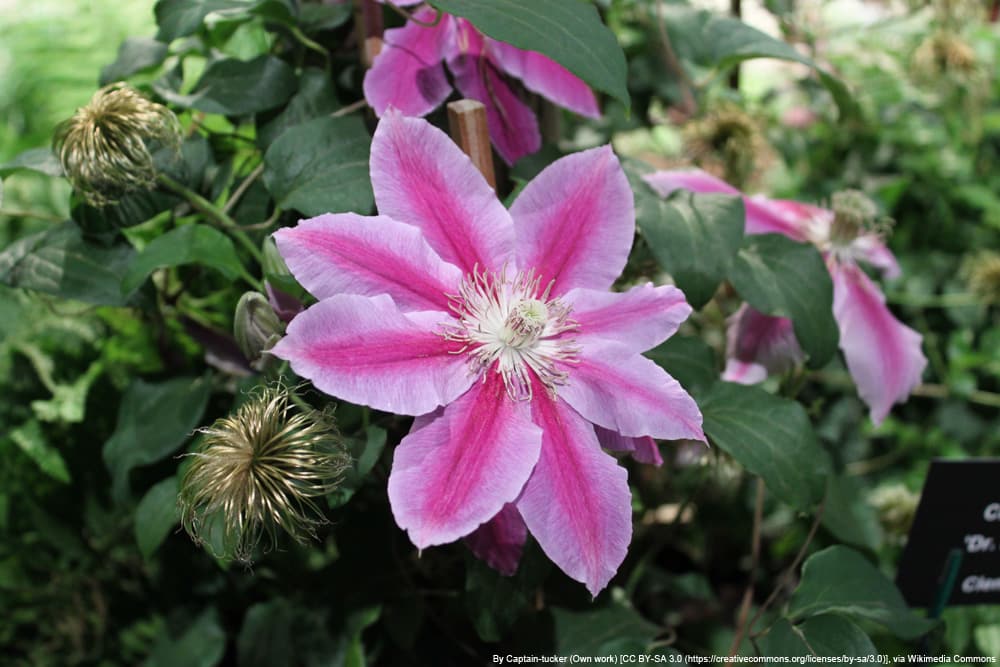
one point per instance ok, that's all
(467, 121)
(369, 26)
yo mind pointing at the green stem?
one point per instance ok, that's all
(30, 214)
(213, 213)
(953, 300)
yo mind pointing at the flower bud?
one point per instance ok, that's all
(256, 327)
(105, 146)
(259, 471)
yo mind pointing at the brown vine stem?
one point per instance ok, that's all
(244, 186)
(758, 519)
(689, 106)
(786, 577)
(350, 108)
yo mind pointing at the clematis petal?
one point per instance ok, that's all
(695, 180)
(365, 350)
(639, 319)
(408, 74)
(512, 124)
(353, 254)
(459, 466)
(883, 355)
(630, 394)
(500, 541)
(546, 77)
(577, 502)
(643, 450)
(575, 221)
(873, 250)
(754, 340)
(421, 177)
(782, 216)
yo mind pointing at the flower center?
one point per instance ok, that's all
(513, 325)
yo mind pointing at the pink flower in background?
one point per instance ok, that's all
(497, 330)
(409, 75)
(883, 355)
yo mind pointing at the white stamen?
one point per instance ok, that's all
(510, 323)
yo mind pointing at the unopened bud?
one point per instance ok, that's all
(256, 327)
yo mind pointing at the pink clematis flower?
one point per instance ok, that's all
(409, 75)
(883, 355)
(497, 330)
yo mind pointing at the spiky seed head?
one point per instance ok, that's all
(727, 142)
(260, 471)
(982, 275)
(854, 213)
(105, 147)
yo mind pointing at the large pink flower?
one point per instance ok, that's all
(498, 331)
(409, 75)
(883, 355)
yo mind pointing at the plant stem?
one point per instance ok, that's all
(758, 518)
(243, 187)
(952, 300)
(978, 396)
(213, 213)
(689, 105)
(30, 214)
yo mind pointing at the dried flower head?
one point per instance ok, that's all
(728, 143)
(105, 147)
(896, 506)
(260, 470)
(982, 274)
(854, 214)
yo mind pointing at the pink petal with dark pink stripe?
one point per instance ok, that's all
(353, 254)
(643, 450)
(408, 73)
(695, 180)
(779, 216)
(422, 178)
(628, 393)
(873, 250)
(365, 350)
(883, 355)
(640, 319)
(577, 502)
(743, 372)
(459, 466)
(500, 541)
(575, 221)
(546, 77)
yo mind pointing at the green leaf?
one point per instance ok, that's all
(695, 238)
(494, 601)
(711, 40)
(781, 277)
(134, 55)
(236, 87)
(315, 98)
(828, 635)
(568, 31)
(190, 244)
(610, 630)
(840, 580)
(316, 16)
(689, 360)
(42, 160)
(202, 645)
(180, 18)
(58, 261)
(364, 455)
(30, 439)
(769, 436)
(321, 167)
(153, 421)
(265, 640)
(155, 516)
(849, 516)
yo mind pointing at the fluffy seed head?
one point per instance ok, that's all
(728, 143)
(854, 213)
(260, 470)
(944, 53)
(105, 146)
(982, 274)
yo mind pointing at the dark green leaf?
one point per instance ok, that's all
(236, 87)
(265, 639)
(30, 439)
(153, 421)
(60, 262)
(321, 167)
(781, 277)
(314, 98)
(202, 645)
(42, 160)
(190, 244)
(599, 632)
(494, 601)
(769, 436)
(364, 455)
(179, 18)
(825, 636)
(840, 580)
(568, 31)
(711, 40)
(316, 16)
(155, 516)
(694, 237)
(849, 515)
(689, 360)
(134, 55)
